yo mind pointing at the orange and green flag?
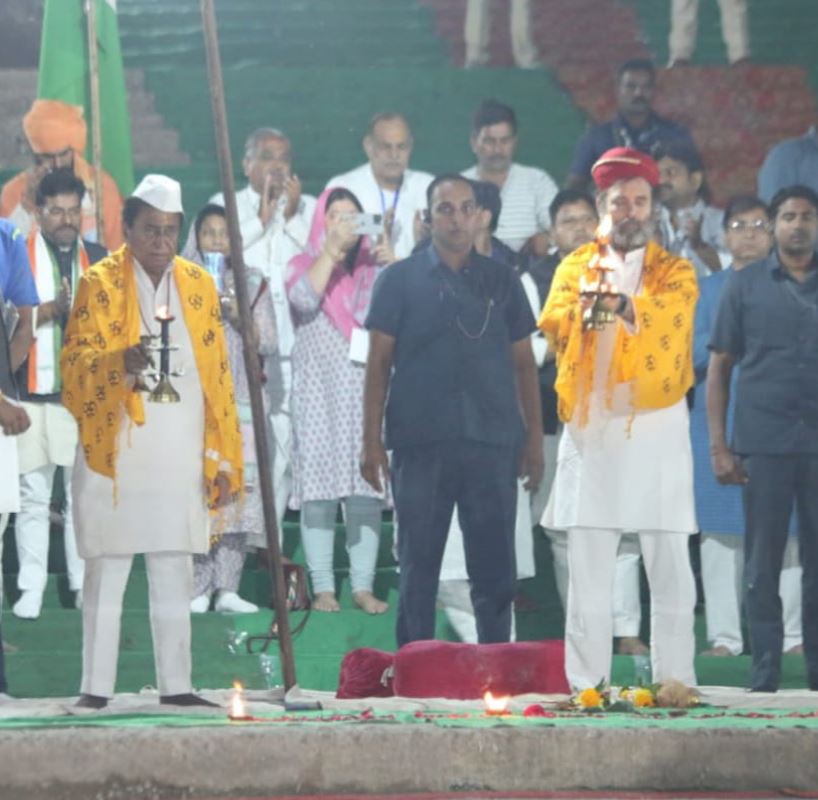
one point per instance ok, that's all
(64, 74)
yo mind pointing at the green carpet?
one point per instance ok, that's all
(703, 718)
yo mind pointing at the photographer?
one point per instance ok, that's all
(329, 287)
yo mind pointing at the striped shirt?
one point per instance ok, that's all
(526, 195)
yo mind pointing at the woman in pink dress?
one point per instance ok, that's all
(329, 287)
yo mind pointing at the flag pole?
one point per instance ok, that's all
(251, 361)
(96, 127)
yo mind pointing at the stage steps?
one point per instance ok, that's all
(46, 661)
(736, 115)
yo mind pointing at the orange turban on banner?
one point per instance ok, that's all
(52, 126)
(623, 164)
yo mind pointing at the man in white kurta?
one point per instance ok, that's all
(275, 218)
(145, 471)
(624, 463)
(385, 185)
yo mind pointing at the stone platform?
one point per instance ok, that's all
(736, 742)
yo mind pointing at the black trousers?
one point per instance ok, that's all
(427, 482)
(777, 483)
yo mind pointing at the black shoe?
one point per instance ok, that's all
(91, 701)
(770, 689)
(188, 699)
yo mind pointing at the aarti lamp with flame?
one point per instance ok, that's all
(238, 707)
(599, 286)
(496, 705)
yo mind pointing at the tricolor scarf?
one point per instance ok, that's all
(656, 360)
(43, 376)
(104, 322)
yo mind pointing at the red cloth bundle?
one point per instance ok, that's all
(364, 674)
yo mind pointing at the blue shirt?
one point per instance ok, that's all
(768, 322)
(453, 371)
(16, 279)
(793, 161)
(617, 133)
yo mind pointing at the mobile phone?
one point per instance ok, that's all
(369, 224)
(214, 264)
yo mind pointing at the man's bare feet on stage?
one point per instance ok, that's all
(369, 603)
(719, 651)
(631, 646)
(325, 601)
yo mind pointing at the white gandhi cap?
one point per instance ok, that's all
(161, 192)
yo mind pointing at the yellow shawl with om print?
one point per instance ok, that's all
(104, 323)
(656, 360)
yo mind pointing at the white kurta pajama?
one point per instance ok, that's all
(626, 472)
(160, 509)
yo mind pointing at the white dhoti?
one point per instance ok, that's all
(454, 591)
(50, 442)
(158, 508)
(625, 472)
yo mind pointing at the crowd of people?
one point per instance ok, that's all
(618, 362)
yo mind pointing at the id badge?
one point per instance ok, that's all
(359, 346)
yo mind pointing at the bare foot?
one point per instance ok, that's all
(325, 601)
(719, 651)
(798, 650)
(631, 646)
(369, 603)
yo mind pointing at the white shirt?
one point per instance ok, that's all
(407, 201)
(526, 195)
(270, 250)
(160, 503)
(624, 470)
(712, 233)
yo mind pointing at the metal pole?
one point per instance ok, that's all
(251, 361)
(96, 128)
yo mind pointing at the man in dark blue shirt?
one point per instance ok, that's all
(767, 324)
(634, 125)
(450, 341)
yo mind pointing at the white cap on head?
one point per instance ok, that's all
(161, 192)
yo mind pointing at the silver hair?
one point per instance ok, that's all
(259, 135)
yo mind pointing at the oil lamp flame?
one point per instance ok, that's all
(496, 705)
(163, 313)
(238, 709)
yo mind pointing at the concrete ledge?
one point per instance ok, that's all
(71, 764)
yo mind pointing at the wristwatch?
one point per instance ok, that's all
(623, 304)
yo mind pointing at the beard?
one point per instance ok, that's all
(630, 235)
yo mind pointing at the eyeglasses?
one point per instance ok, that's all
(739, 226)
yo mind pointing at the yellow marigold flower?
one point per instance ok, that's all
(643, 698)
(590, 698)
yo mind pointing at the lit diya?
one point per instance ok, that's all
(238, 708)
(496, 706)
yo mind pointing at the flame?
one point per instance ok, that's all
(237, 707)
(605, 227)
(163, 312)
(496, 705)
